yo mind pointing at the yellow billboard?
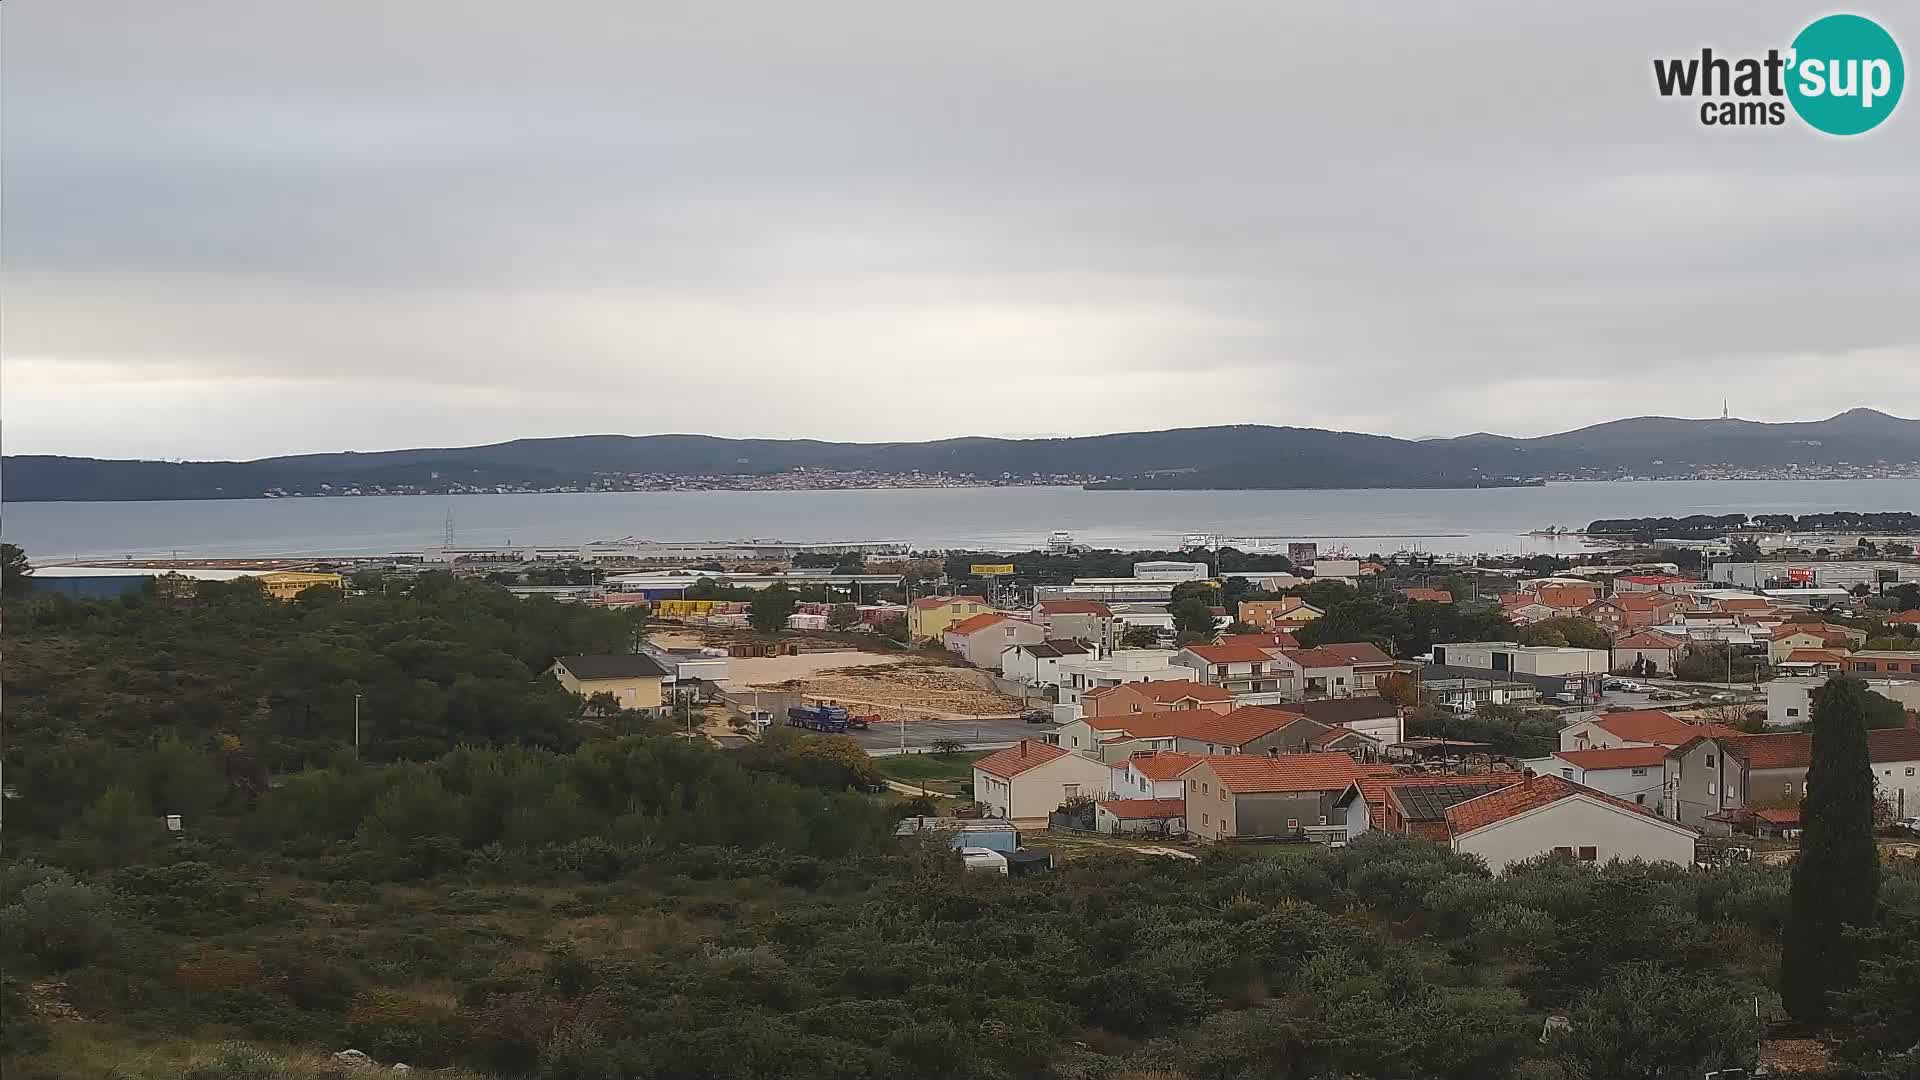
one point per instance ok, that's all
(992, 569)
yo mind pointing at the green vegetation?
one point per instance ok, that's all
(951, 773)
(1837, 876)
(1378, 614)
(1698, 526)
(1715, 662)
(1562, 632)
(771, 607)
(567, 901)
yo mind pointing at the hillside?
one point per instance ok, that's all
(1237, 456)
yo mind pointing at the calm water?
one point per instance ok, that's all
(1490, 520)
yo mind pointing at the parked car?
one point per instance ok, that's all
(1037, 716)
(1724, 698)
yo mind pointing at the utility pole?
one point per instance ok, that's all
(356, 724)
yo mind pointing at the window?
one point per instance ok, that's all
(1640, 800)
(1567, 773)
(1793, 712)
(1071, 791)
(1589, 854)
(1323, 819)
(1136, 707)
(1710, 788)
(1709, 761)
(1204, 821)
(1563, 851)
(1205, 790)
(1909, 772)
(1293, 823)
(1862, 665)
(1639, 772)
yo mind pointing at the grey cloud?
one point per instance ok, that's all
(814, 220)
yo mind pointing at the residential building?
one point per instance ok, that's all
(634, 679)
(1414, 804)
(1171, 695)
(1240, 797)
(1789, 636)
(1026, 782)
(1238, 669)
(1370, 715)
(1140, 817)
(1079, 674)
(1626, 612)
(1528, 610)
(1647, 653)
(1288, 611)
(287, 584)
(1813, 662)
(929, 616)
(1427, 596)
(1634, 773)
(1790, 699)
(1038, 664)
(1566, 597)
(1112, 739)
(1249, 730)
(1437, 687)
(1551, 814)
(1904, 618)
(1149, 775)
(1886, 663)
(1268, 640)
(1079, 620)
(1634, 727)
(1341, 669)
(981, 639)
(1523, 659)
(1715, 774)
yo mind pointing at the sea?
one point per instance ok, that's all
(1493, 521)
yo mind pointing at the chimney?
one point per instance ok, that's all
(1023, 748)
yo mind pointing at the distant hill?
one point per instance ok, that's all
(1238, 456)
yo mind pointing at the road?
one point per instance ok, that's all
(882, 739)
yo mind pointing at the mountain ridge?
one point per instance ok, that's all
(1229, 456)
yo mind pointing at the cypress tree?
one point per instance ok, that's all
(1836, 879)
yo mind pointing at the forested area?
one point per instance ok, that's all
(590, 904)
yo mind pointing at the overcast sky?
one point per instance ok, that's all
(238, 229)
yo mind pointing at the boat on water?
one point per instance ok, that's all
(1558, 530)
(1060, 540)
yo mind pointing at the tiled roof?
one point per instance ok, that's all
(930, 603)
(1353, 652)
(1237, 728)
(1162, 764)
(976, 623)
(1333, 735)
(1145, 725)
(1014, 760)
(1794, 749)
(1431, 596)
(613, 666)
(1782, 816)
(1230, 654)
(1623, 757)
(1814, 656)
(1905, 618)
(1654, 726)
(1075, 607)
(1643, 601)
(1251, 774)
(1529, 794)
(1648, 639)
(1338, 711)
(1144, 809)
(1262, 641)
(1163, 691)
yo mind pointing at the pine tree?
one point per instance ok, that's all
(1836, 879)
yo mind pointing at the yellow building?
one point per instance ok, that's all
(633, 679)
(287, 584)
(929, 616)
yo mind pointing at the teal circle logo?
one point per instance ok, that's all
(1846, 74)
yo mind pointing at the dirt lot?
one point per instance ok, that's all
(914, 688)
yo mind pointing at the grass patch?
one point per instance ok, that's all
(952, 773)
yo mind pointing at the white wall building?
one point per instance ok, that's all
(1790, 700)
(1166, 570)
(1347, 570)
(1524, 659)
(1548, 814)
(1636, 774)
(1078, 674)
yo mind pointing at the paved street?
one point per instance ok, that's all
(973, 734)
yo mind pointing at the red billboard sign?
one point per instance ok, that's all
(1801, 575)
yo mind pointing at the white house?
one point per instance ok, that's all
(1149, 775)
(1634, 773)
(1079, 674)
(1026, 782)
(1790, 701)
(1550, 814)
(981, 639)
(1038, 664)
